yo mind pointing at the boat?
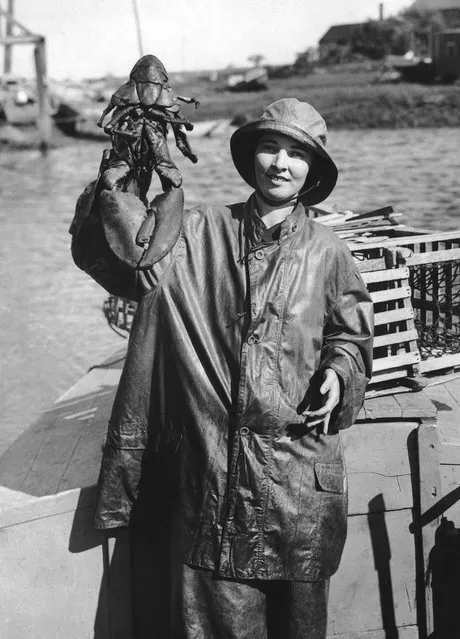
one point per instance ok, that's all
(399, 572)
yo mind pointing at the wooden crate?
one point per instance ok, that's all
(396, 354)
(119, 313)
(433, 260)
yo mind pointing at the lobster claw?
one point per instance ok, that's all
(161, 228)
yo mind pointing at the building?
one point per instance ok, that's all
(446, 55)
(337, 37)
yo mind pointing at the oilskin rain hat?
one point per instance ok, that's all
(303, 123)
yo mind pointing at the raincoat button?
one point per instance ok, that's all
(259, 254)
(252, 339)
(244, 430)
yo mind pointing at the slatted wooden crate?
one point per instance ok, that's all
(414, 280)
(396, 354)
(119, 313)
(433, 260)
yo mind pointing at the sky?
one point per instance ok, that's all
(93, 38)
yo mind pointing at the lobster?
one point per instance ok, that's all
(140, 111)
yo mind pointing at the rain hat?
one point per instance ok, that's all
(303, 123)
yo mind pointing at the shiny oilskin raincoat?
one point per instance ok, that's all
(227, 337)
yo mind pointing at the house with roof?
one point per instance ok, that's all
(337, 37)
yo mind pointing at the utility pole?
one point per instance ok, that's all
(7, 60)
(138, 28)
(25, 36)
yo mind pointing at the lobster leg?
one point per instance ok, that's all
(164, 166)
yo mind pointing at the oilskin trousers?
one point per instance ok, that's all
(215, 608)
(172, 600)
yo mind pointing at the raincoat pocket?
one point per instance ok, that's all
(330, 477)
(331, 488)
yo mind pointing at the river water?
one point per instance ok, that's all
(51, 324)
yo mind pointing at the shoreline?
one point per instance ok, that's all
(348, 100)
(14, 139)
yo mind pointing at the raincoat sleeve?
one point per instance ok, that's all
(104, 233)
(90, 248)
(347, 347)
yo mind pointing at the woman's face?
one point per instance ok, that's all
(281, 166)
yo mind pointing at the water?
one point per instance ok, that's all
(51, 325)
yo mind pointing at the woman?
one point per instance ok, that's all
(249, 352)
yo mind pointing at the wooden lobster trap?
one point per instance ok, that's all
(396, 354)
(433, 262)
(119, 313)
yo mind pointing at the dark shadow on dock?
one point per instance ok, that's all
(135, 591)
(113, 618)
(443, 572)
(444, 569)
(382, 557)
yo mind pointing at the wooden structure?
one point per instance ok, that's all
(50, 552)
(15, 34)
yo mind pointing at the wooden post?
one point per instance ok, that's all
(44, 118)
(430, 493)
(8, 33)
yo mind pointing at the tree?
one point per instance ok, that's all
(256, 59)
(377, 39)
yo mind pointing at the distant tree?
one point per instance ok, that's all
(376, 39)
(256, 59)
(422, 20)
(305, 60)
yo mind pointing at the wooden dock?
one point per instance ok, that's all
(403, 459)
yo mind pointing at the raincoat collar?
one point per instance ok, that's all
(255, 227)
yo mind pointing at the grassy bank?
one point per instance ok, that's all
(347, 100)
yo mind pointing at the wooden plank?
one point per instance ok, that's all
(386, 376)
(376, 264)
(449, 504)
(449, 455)
(402, 632)
(452, 385)
(84, 464)
(37, 462)
(430, 492)
(389, 317)
(374, 587)
(432, 257)
(439, 363)
(416, 239)
(381, 408)
(44, 507)
(384, 211)
(23, 39)
(395, 361)
(391, 294)
(57, 580)
(395, 338)
(398, 388)
(417, 405)
(448, 413)
(13, 21)
(375, 468)
(386, 275)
